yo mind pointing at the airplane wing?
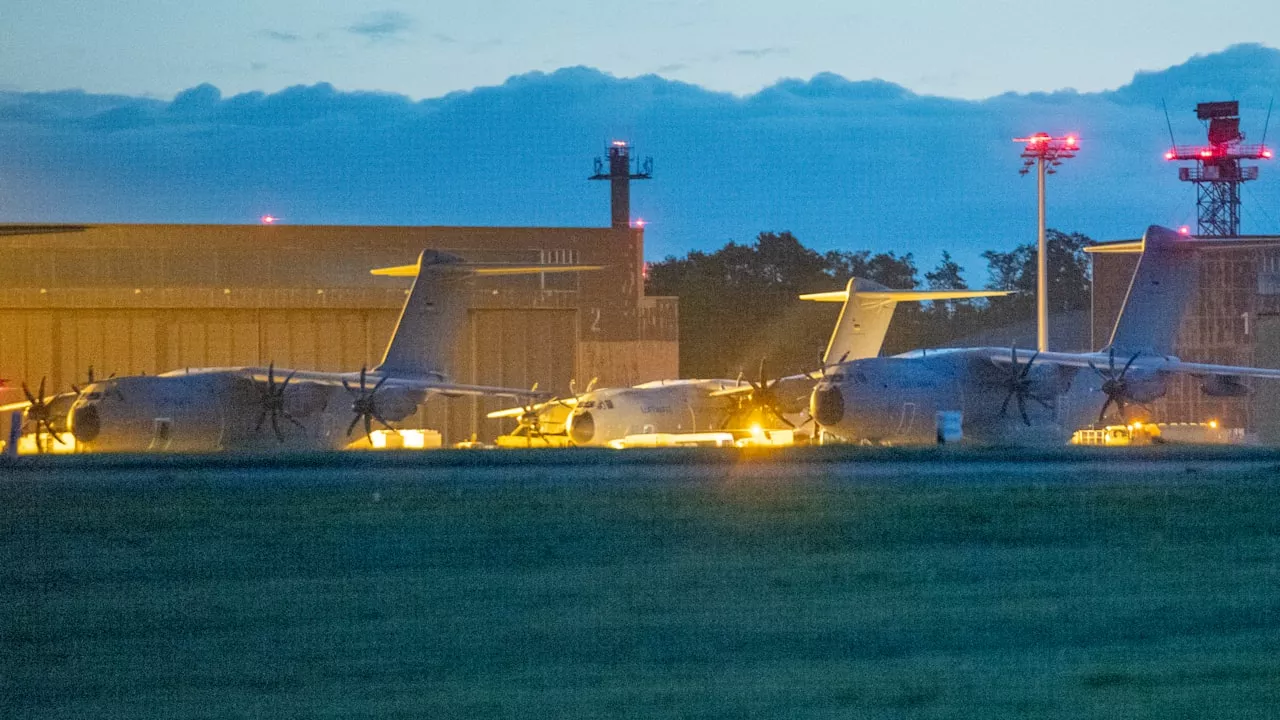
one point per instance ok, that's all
(905, 295)
(519, 410)
(746, 388)
(429, 384)
(1147, 363)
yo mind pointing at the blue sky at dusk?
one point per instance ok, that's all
(897, 137)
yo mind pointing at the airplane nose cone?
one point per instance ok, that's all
(828, 405)
(582, 429)
(85, 423)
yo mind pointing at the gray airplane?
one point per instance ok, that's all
(254, 408)
(1016, 396)
(600, 417)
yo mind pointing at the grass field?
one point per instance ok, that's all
(696, 585)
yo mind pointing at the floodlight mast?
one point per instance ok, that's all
(1044, 152)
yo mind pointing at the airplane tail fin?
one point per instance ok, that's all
(435, 311)
(1163, 285)
(868, 308)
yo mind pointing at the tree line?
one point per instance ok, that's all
(739, 304)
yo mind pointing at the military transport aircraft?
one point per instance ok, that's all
(254, 408)
(608, 416)
(1010, 396)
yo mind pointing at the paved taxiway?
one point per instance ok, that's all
(819, 583)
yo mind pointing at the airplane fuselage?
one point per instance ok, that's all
(896, 399)
(677, 406)
(221, 409)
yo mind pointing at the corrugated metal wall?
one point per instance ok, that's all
(1218, 328)
(150, 299)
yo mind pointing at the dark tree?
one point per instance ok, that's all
(1069, 280)
(740, 303)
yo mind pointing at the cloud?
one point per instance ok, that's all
(280, 36)
(758, 53)
(845, 164)
(382, 26)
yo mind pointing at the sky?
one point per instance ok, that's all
(971, 50)
(884, 129)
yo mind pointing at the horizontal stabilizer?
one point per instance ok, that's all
(868, 308)
(1192, 242)
(905, 295)
(485, 269)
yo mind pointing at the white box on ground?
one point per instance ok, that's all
(950, 424)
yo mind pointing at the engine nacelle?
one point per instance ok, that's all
(396, 404)
(1224, 386)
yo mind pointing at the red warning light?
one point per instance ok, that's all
(269, 219)
(1266, 153)
(639, 223)
(619, 143)
(1206, 153)
(1071, 141)
(1184, 230)
(1168, 155)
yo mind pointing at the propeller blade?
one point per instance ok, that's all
(363, 369)
(53, 433)
(271, 376)
(1027, 368)
(1043, 403)
(378, 385)
(348, 387)
(1126, 365)
(368, 428)
(385, 424)
(780, 417)
(352, 427)
(262, 417)
(26, 391)
(1004, 407)
(294, 420)
(1022, 410)
(1102, 414)
(42, 388)
(1111, 360)
(288, 378)
(275, 425)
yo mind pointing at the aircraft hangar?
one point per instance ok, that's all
(1234, 320)
(132, 299)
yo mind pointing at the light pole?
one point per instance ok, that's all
(1045, 152)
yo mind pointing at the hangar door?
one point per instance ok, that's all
(510, 348)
